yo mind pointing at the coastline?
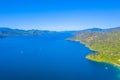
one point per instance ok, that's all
(111, 63)
(91, 59)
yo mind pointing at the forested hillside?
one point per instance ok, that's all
(105, 43)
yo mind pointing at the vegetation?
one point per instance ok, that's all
(106, 44)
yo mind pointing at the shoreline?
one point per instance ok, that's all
(111, 63)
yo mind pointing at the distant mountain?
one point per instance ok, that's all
(7, 32)
(106, 44)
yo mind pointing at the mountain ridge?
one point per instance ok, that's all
(7, 32)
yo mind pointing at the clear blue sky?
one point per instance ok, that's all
(59, 14)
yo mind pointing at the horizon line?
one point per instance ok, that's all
(57, 30)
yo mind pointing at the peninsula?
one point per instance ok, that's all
(105, 43)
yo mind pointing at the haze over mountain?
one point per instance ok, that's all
(7, 32)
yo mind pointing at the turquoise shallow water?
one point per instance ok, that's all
(49, 58)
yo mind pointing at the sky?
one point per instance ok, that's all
(59, 15)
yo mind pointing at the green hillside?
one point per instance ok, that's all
(105, 43)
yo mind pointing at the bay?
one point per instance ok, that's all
(50, 58)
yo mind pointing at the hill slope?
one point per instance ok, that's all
(106, 44)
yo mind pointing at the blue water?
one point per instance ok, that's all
(49, 58)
